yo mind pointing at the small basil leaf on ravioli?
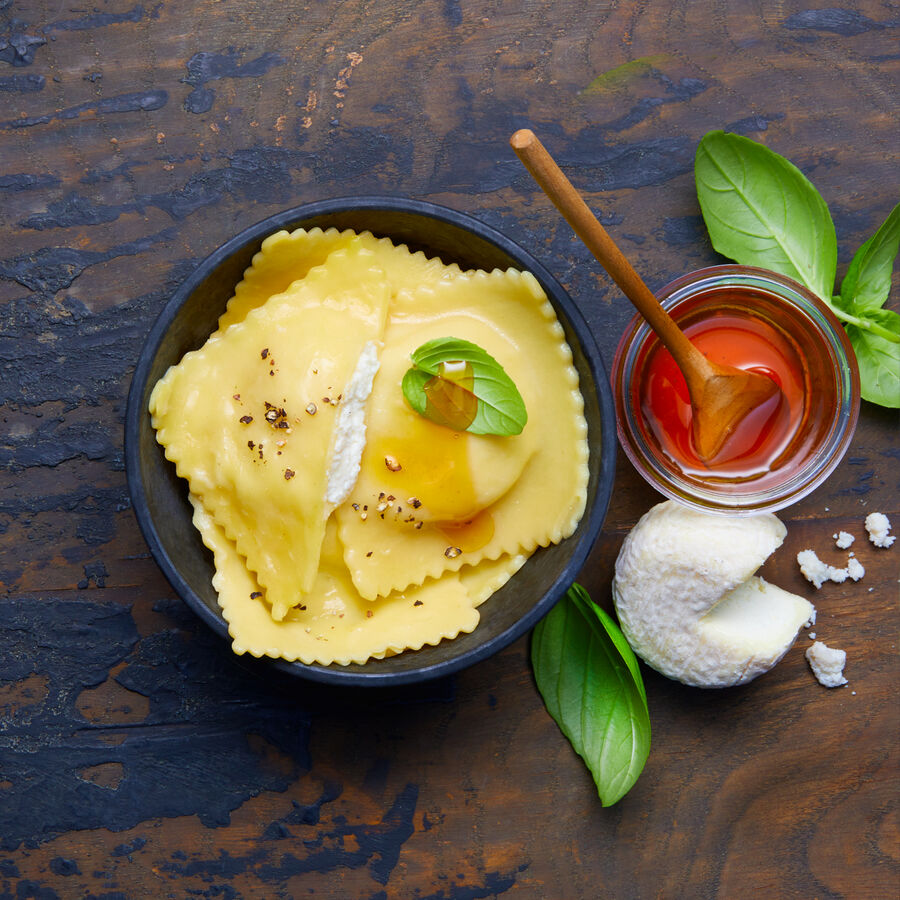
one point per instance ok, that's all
(456, 383)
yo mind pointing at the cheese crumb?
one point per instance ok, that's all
(843, 539)
(878, 525)
(827, 664)
(855, 569)
(818, 572)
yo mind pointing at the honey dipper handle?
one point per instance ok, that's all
(584, 223)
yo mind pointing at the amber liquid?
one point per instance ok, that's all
(762, 336)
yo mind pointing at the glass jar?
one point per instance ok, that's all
(756, 319)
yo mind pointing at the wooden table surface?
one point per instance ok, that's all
(137, 757)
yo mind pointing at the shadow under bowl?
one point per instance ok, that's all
(160, 498)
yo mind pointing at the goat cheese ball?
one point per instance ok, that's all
(688, 601)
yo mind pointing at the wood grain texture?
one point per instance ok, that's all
(138, 758)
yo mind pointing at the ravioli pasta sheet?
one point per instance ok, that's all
(337, 626)
(428, 521)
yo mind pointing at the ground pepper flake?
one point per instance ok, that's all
(311, 408)
(369, 614)
(392, 464)
(256, 595)
(246, 420)
(264, 352)
(289, 474)
(452, 552)
(417, 602)
(276, 416)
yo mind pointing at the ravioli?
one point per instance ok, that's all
(248, 419)
(437, 519)
(451, 498)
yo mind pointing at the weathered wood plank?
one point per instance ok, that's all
(137, 757)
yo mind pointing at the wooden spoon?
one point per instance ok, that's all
(721, 396)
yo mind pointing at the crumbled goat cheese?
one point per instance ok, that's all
(843, 539)
(350, 429)
(818, 572)
(827, 664)
(878, 525)
(855, 569)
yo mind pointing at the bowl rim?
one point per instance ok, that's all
(288, 219)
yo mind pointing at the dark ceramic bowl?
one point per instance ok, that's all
(160, 498)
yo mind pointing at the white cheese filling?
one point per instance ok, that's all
(350, 429)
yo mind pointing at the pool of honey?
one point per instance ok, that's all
(752, 330)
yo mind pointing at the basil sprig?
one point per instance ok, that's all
(455, 383)
(591, 684)
(761, 210)
(863, 292)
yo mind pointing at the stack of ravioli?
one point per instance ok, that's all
(436, 520)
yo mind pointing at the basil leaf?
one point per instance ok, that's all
(868, 280)
(761, 210)
(589, 679)
(878, 358)
(455, 383)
